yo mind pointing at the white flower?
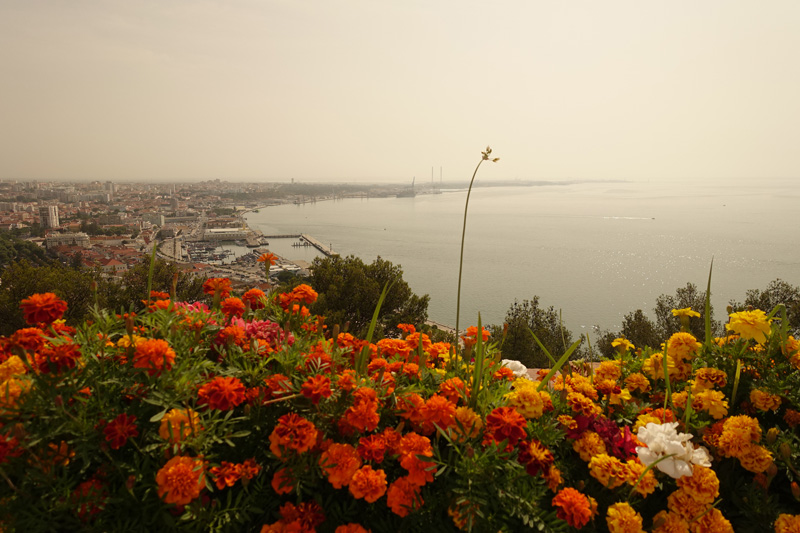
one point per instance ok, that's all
(663, 440)
(518, 368)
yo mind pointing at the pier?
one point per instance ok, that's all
(308, 240)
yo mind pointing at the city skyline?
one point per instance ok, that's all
(362, 92)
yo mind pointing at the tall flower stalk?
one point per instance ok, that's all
(484, 157)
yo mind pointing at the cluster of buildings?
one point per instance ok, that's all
(111, 227)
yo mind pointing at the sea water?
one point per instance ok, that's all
(594, 250)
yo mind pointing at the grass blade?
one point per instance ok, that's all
(558, 365)
(361, 360)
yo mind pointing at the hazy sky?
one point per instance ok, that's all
(358, 90)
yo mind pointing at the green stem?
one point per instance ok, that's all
(461, 257)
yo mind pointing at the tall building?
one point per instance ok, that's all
(48, 215)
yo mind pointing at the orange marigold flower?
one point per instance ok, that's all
(410, 448)
(372, 448)
(437, 410)
(713, 521)
(31, 339)
(283, 481)
(738, 432)
(43, 308)
(589, 445)
(470, 337)
(582, 405)
(119, 430)
(181, 480)
(232, 306)
(608, 370)
(221, 286)
(293, 432)
(368, 484)
(553, 478)
(363, 415)
(225, 475)
(408, 329)
(574, 507)
(682, 503)
(453, 389)
(222, 393)
(505, 424)
(61, 357)
(268, 257)
(231, 335)
(622, 518)
(351, 528)
(403, 497)
(179, 424)
(254, 297)
(304, 293)
(792, 417)
(154, 355)
(278, 385)
(755, 458)
(339, 462)
(317, 387)
(787, 523)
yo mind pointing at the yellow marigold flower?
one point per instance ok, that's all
(567, 421)
(654, 366)
(622, 518)
(682, 345)
(10, 392)
(623, 396)
(608, 470)
(622, 345)
(13, 366)
(711, 401)
(583, 405)
(795, 360)
(764, 401)
(686, 311)
(468, 424)
(702, 485)
(648, 483)
(669, 522)
(643, 420)
(581, 384)
(637, 381)
(589, 445)
(738, 432)
(708, 378)
(713, 522)
(524, 383)
(755, 459)
(679, 400)
(608, 370)
(132, 340)
(787, 523)
(527, 402)
(750, 325)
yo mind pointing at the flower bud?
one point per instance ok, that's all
(772, 435)
(772, 471)
(785, 450)
(796, 490)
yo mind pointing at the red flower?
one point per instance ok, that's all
(119, 430)
(46, 308)
(222, 393)
(505, 424)
(217, 285)
(90, 498)
(154, 355)
(62, 356)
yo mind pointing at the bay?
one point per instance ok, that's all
(594, 250)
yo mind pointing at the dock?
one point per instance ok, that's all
(327, 250)
(308, 240)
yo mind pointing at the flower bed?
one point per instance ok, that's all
(251, 416)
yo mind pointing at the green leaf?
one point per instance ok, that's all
(559, 363)
(158, 416)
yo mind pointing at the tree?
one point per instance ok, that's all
(684, 297)
(349, 290)
(14, 249)
(132, 289)
(21, 279)
(519, 343)
(777, 292)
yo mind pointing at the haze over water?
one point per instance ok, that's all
(595, 250)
